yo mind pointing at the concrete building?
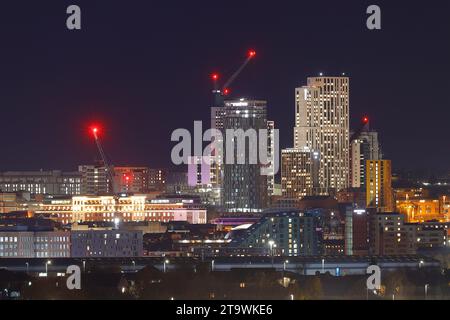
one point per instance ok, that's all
(299, 173)
(131, 179)
(29, 244)
(390, 235)
(157, 179)
(54, 182)
(245, 187)
(379, 193)
(106, 243)
(322, 125)
(281, 232)
(94, 180)
(356, 232)
(11, 201)
(364, 145)
(273, 156)
(66, 244)
(124, 208)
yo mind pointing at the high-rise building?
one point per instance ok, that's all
(356, 231)
(131, 179)
(322, 125)
(271, 150)
(54, 182)
(379, 193)
(364, 145)
(94, 180)
(299, 173)
(245, 187)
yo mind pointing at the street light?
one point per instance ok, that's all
(426, 291)
(212, 265)
(421, 263)
(84, 265)
(284, 264)
(165, 262)
(271, 243)
(48, 262)
(134, 265)
(28, 265)
(323, 265)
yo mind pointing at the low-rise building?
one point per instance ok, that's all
(106, 243)
(124, 208)
(281, 232)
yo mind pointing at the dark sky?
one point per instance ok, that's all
(141, 68)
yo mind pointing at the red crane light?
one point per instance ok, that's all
(251, 53)
(365, 120)
(94, 129)
(215, 76)
(226, 91)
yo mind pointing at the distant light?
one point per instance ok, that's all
(215, 76)
(365, 119)
(226, 91)
(251, 53)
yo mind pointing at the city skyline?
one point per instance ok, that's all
(112, 81)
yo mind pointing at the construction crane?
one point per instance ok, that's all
(219, 94)
(363, 127)
(95, 132)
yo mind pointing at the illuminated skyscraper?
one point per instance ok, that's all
(322, 125)
(364, 145)
(379, 193)
(245, 188)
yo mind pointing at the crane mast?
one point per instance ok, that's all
(104, 159)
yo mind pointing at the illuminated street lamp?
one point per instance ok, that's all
(164, 265)
(284, 264)
(271, 243)
(28, 266)
(134, 265)
(47, 263)
(426, 291)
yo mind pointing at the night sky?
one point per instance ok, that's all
(141, 69)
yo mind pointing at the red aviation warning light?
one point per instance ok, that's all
(94, 130)
(226, 91)
(365, 120)
(215, 76)
(251, 53)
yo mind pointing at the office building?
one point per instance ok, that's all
(29, 244)
(131, 179)
(272, 149)
(322, 125)
(299, 173)
(54, 182)
(356, 231)
(106, 243)
(379, 193)
(157, 179)
(364, 145)
(245, 187)
(95, 180)
(125, 208)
